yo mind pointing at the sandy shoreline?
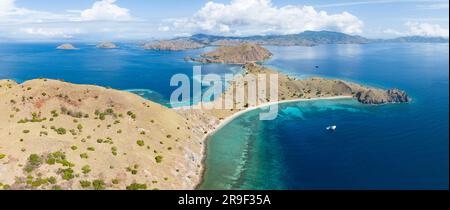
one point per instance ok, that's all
(229, 119)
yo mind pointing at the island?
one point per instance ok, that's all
(106, 45)
(172, 45)
(66, 47)
(58, 135)
(239, 54)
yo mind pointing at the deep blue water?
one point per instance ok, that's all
(399, 146)
(129, 67)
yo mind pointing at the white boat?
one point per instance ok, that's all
(332, 128)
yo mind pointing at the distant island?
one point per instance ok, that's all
(67, 136)
(239, 54)
(307, 38)
(66, 47)
(173, 45)
(106, 45)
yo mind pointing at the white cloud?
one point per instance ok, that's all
(421, 29)
(24, 23)
(105, 10)
(426, 29)
(249, 17)
(436, 6)
(51, 32)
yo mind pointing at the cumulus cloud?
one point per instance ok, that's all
(105, 10)
(427, 29)
(421, 29)
(25, 23)
(250, 17)
(52, 32)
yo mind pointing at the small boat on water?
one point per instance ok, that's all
(331, 128)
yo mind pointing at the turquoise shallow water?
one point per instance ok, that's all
(399, 146)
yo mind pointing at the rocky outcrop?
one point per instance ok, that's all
(107, 45)
(172, 45)
(240, 54)
(377, 96)
(66, 47)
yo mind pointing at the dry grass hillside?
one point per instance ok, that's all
(238, 54)
(56, 135)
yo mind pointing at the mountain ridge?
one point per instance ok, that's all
(307, 38)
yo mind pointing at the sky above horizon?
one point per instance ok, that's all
(148, 19)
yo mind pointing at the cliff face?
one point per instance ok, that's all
(376, 96)
(60, 135)
(172, 45)
(239, 54)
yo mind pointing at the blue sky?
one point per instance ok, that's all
(147, 19)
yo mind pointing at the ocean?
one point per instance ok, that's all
(396, 146)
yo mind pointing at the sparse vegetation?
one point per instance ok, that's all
(86, 169)
(84, 156)
(34, 161)
(85, 184)
(98, 184)
(140, 143)
(158, 159)
(136, 186)
(66, 174)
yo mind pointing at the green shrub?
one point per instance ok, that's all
(26, 131)
(34, 161)
(86, 169)
(66, 174)
(85, 183)
(74, 147)
(60, 131)
(114, 151)
(2, 156)
(84, 156)
(158, 159)
(115, 181)
(56, 187)
(98, 184)
(91, 149)
(140, 143)
(52, 180)
(136, 186)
